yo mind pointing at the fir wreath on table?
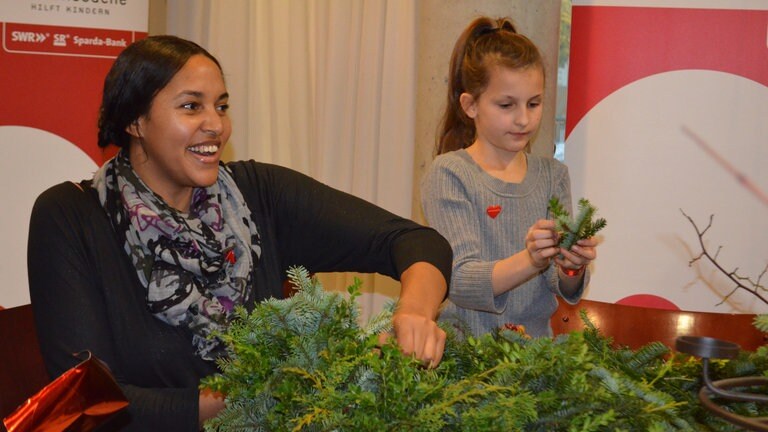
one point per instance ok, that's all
(306, 364)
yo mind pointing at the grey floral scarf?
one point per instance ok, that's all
(195, 267)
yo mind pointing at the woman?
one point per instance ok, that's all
(140, 264)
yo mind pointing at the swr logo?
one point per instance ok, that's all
(19, 36)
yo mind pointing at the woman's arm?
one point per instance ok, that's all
(326, 230)
(66, 263)
(423, 288)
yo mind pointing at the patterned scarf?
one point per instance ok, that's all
(195, 267)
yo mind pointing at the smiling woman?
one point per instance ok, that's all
(144, 263)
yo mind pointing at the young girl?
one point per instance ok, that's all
(489, 197)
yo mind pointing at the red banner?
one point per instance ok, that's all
(54, 57)
(667, 101)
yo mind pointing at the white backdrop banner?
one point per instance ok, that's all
(667, 109)
(53, 60)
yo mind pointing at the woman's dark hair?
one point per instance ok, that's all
(484, 44)
(138, 74)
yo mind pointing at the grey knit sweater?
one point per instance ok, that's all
(485, 220)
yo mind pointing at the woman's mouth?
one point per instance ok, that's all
(204, 149)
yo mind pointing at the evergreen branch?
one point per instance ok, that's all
(761, 322)
(309, 418)
(571, 230)
(317, 383)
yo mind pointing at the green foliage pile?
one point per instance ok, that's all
(582, 226)
(305, 364)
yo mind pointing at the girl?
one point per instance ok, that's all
(143, 262)
(489, 197)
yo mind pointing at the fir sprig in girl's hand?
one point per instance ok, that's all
(570, 230)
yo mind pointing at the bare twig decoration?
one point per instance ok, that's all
(740, 282)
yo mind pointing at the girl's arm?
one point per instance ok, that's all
(540, 247)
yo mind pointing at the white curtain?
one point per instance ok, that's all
(326, 87)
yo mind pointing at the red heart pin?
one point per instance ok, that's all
(493, 211)
(231, 257)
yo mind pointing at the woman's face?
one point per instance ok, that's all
(176, 147)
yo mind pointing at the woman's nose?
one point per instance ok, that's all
(213, 123)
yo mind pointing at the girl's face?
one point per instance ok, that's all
(176, 147)
(507, 114)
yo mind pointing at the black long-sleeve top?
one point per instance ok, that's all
(86, 294)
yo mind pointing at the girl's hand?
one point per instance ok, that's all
(541, 243)
(580, 255)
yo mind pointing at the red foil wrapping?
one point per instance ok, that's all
(81, 399)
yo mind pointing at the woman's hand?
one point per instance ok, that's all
(419, 336)
(417, 333)
(210, 404)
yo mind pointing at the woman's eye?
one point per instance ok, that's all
(223, 108)
(190, 106)
(505, 105)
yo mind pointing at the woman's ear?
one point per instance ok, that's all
(134, 129)
(468, 105)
